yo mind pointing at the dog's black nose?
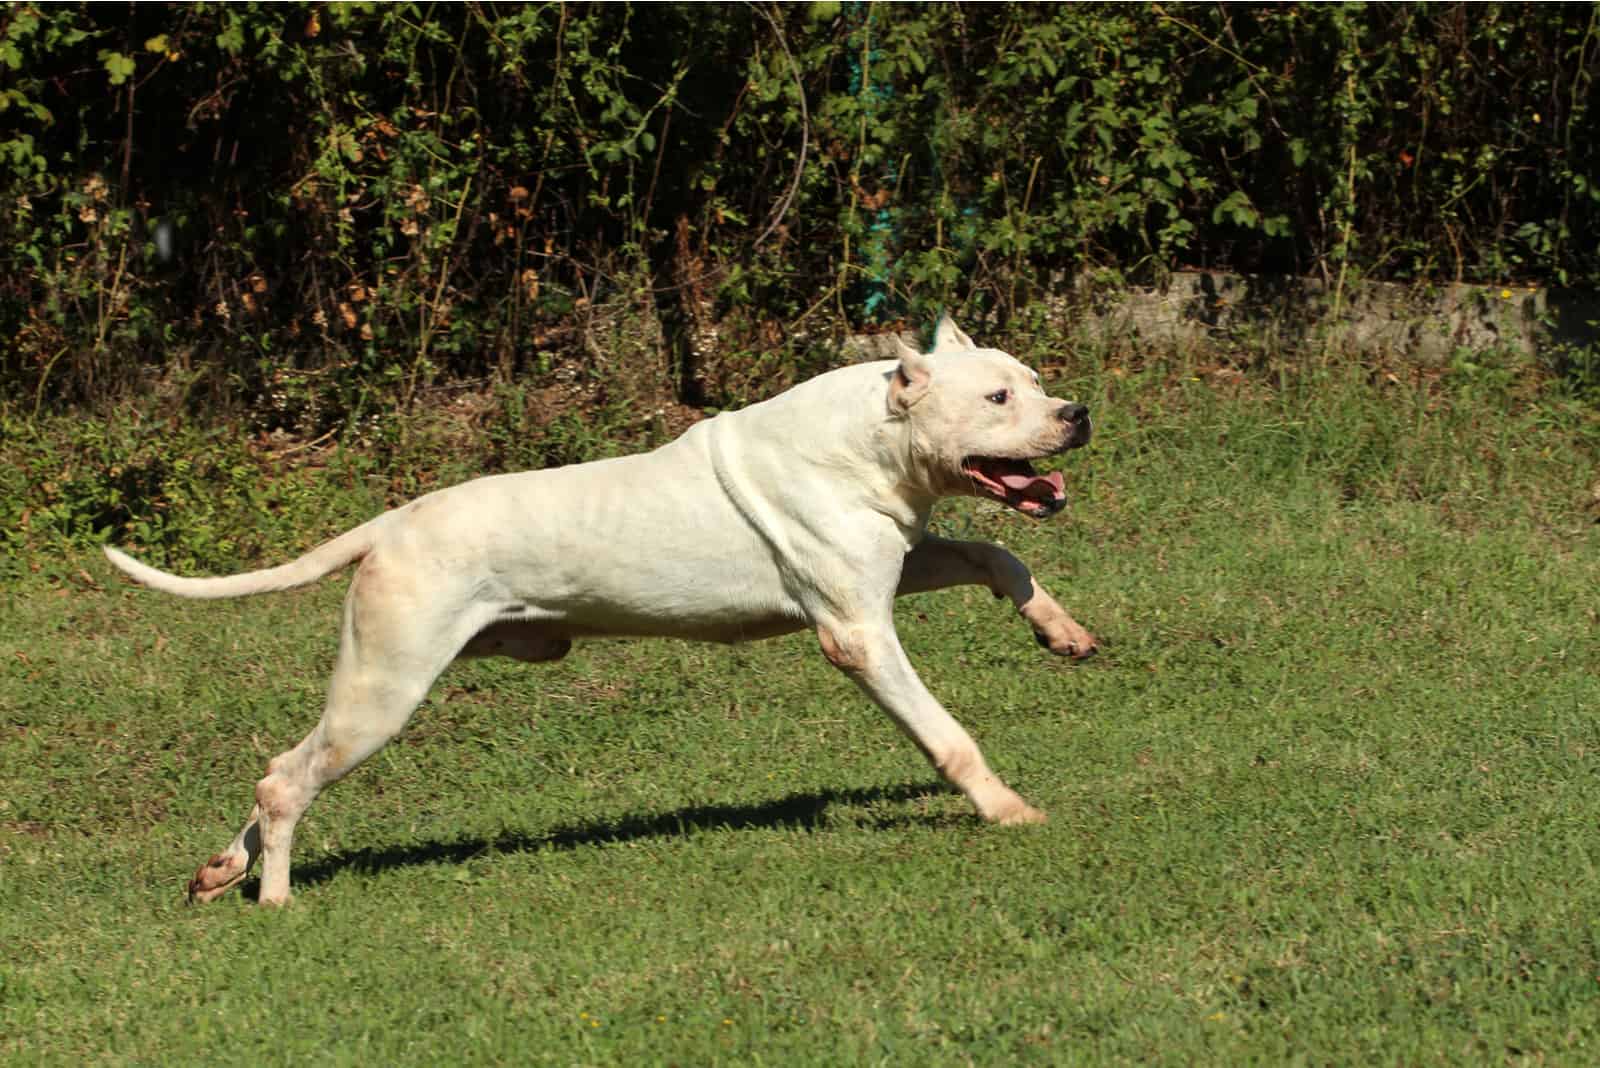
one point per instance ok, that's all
(1072, 413)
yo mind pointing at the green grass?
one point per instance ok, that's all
(1329, 795)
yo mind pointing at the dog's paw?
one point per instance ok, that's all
(1024, 813)
(1008, 809)
(1055, 630)
(1072, 641)
(216, 877)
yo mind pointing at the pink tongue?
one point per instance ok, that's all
(1048, 486)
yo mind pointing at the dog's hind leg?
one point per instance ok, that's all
(393, 645)
(937, 563)
(228, 868)
(366, 707)
(364, 710)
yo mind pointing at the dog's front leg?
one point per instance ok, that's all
(936, 563)
(871, 655)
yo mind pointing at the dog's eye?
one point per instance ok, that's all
(999, 396)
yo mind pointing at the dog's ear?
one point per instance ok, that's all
(910, 380)
(947, 337)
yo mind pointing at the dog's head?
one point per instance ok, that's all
(978, 417)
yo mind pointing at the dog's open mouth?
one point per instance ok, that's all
(1016, 483)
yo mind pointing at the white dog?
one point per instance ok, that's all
(806, 510)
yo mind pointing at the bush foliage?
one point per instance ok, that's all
(313, 210)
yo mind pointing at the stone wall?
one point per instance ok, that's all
(1426, 324)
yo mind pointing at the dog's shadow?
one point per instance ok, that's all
(801, 811)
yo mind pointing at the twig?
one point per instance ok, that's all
(302, 446)
(44, 376)
(429, 313)
(805, 130)
(1349, 209)
(655, 173)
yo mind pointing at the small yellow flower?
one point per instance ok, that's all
(1505, 294)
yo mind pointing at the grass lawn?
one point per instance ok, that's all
(1329, 794)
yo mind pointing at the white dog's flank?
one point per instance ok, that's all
(806, 510)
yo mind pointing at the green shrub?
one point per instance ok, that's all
(314, 212)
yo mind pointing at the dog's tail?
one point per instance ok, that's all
(325, 559)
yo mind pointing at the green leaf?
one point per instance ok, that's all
(118, 65)
(231, 39)
(1236, 207)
